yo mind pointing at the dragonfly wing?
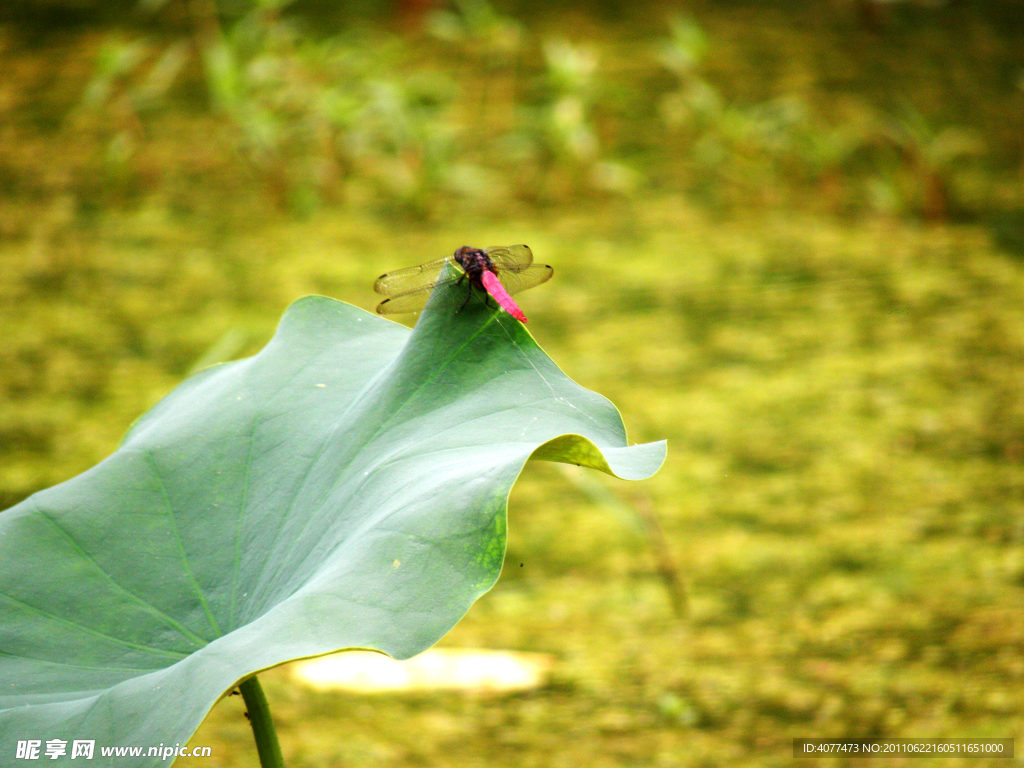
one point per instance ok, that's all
(516, 280)
(516, 257)
(410, 288)
(411, 279)
(412, 301)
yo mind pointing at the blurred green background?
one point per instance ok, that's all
(788, 237)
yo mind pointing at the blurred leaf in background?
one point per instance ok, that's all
(494, 110)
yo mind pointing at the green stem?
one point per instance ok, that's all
(262, 724)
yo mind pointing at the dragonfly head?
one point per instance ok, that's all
(472, 259)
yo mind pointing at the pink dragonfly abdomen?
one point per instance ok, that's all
(494, 287)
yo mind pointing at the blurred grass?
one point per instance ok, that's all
(840, 387)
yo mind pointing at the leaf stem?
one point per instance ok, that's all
(263, 731)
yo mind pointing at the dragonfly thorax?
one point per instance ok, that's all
(475, 262)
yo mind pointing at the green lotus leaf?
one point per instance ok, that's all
(344, 488)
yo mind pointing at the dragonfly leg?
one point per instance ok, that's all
(466, 300)
(469, 295)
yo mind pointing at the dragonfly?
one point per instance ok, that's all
(498, 272)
